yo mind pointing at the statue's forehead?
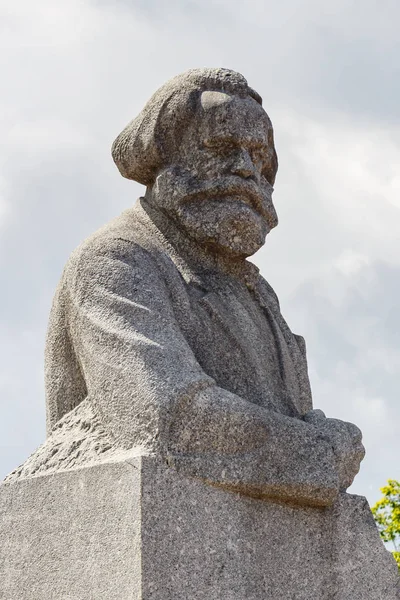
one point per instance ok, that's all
(227, 115)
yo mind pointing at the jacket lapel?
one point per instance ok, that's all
(221, 312)
(295, 344)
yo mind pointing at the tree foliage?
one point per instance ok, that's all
(387, 516)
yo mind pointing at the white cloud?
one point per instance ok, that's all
(336, 194)
(45, 135)
(4, 206)
(61, 25)
(350, 262)
(355, 168)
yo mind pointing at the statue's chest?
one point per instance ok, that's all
(240, 345)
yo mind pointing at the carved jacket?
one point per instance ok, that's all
(138, 329)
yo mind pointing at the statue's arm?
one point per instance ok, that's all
(139, 370)
(149, 390)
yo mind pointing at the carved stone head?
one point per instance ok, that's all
(203, 145)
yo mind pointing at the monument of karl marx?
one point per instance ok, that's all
(184, 459)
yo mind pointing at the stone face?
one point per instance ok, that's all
(137, 529)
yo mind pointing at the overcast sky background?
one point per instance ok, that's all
(74, 73)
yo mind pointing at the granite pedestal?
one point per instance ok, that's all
(137, 529)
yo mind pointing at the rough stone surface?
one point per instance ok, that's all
(172, 337)
(139, 530)
(79, 439)
(72, 536)
(184, 458)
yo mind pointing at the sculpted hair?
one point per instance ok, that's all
(142, 148)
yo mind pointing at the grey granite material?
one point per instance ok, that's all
(163, 337)
(184, 458)
(79, 440)
(136, 529)
(72, 536)
(137, 326)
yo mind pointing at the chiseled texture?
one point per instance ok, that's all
(163, 339)
(138, 530)
(77, 439)
(72, 536)
(174, 363)
(184, 458)
(149, 140)
(135, 351)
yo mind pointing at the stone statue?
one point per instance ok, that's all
(168, 336)
(184, 458)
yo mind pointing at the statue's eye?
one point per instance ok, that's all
(221, 147)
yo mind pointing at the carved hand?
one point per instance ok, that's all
(346, 442)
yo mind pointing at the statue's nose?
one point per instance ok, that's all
(243, 165)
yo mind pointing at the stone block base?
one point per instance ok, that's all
(137, 529)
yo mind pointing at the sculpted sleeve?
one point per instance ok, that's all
(149, 391)
(140, 373)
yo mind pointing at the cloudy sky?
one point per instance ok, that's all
(74, 73)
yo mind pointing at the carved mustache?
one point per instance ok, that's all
(194, 190)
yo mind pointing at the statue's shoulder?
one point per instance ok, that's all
(125, 240)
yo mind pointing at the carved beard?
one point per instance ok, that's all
(229, 214)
